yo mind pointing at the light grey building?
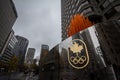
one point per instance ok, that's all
(30, 56)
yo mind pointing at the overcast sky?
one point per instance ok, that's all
(39, 21)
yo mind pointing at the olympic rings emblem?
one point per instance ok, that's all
(78, 60)
(78, 56)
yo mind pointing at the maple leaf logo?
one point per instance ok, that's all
(76, 48)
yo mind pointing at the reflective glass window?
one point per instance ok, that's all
(117, 8)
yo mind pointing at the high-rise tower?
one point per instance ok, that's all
(8, 16)
(20, 49)
(30, 55)
(96, 11)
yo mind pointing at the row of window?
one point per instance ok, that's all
(82, 6)
(105, 4)
(98, 1)
(72, 8)
(86, 11)
(112, 11)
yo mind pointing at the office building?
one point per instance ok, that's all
(108, 34)
(56, 65)
(96, 11)
(49, 69)
(20, 49)
(30, 56)
(97, 61)
(8, 52)
(44, 52)
(91, 51)
(109, 9)
(72, 7)
(8, 16)
(43, 58)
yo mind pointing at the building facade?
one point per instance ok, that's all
(109, 9)
(44, 52)
(20, 49)
(62, 64)
(97, 61)
(30, 55)
(94, 58)
(96, 11)
(71, 7)
(107, 32)
(108, 36)
(8, 16)
(8, 52)
(43, 55)
(49, 69)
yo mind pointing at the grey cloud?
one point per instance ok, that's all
(39, 21)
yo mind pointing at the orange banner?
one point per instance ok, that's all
(78, 23)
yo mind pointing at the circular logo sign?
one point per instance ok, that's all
(77, 54)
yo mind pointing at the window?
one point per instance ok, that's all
(73, 10)
(85, 3)
(102, 8)
(70, 11)
(77, 2)
(72, 6)
(79, 9)
(71, 1)
(111, 0)
(117, 8)
(116, 59)
(110, 13)
(92, 8)
(106, 3)
(87, 10)
(97, 1)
